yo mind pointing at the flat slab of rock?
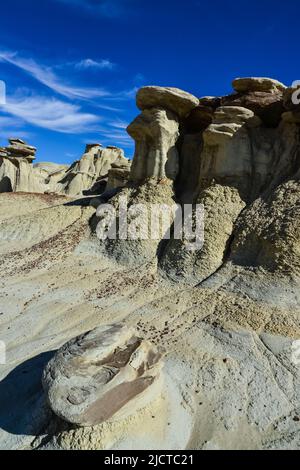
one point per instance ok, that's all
(174, 99)
(246, 84)
(95, 375)
(227, 120)
(234, 114)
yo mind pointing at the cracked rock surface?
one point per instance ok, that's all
(97, 374)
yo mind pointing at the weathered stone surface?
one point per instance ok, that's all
(173, 99)
(118, 177)
(16, 170)
(199, 119)
(15, 140)
(19, 148)
(222, 205)
(89, 147)
(100, 373)
(268, 232)
(268, 106)
(231, 328)
(292, 117)
(155, 132)
(94, 166)
(227, 121)
(144, 240)
(18, 174)
(246, 84)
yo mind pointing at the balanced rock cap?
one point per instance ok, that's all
(89, 147)
(13, 140)
(243, 85)
(173, 99)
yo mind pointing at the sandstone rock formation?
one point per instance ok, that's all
(118, 175)
(173, 99)
(246, 84)
(48, 174)
(100, 373)
(156, 131)
(229, 151)
(226, 314)
(16, 172)
(89, 174)
(93, 167)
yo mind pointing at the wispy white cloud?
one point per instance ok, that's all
(51, 113)
(10, 126)
(50, 79)
(118, 124)
(47, 77)
(94, 64)
(120, 137)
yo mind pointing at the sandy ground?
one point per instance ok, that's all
(229, 378)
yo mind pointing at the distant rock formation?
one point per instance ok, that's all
(88, 175)
(101, 374)
(16, 171)
(48, 175)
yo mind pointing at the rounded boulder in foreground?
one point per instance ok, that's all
(98, 374)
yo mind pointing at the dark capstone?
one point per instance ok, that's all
(268, 106)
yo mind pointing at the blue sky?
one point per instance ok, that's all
(72, 67)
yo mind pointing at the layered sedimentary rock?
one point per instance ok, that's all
(16, 171)
(178, 101)
(246, 84)
(229, 151)
(239, 157)
(88, 175)
(103, 374)
(92, 169)
(118, 175)
(154, 168)
(48, 174)
(231, 335)
(155, 132)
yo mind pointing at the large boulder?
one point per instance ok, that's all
(103, 374)
(174, 99)
(243, 85)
